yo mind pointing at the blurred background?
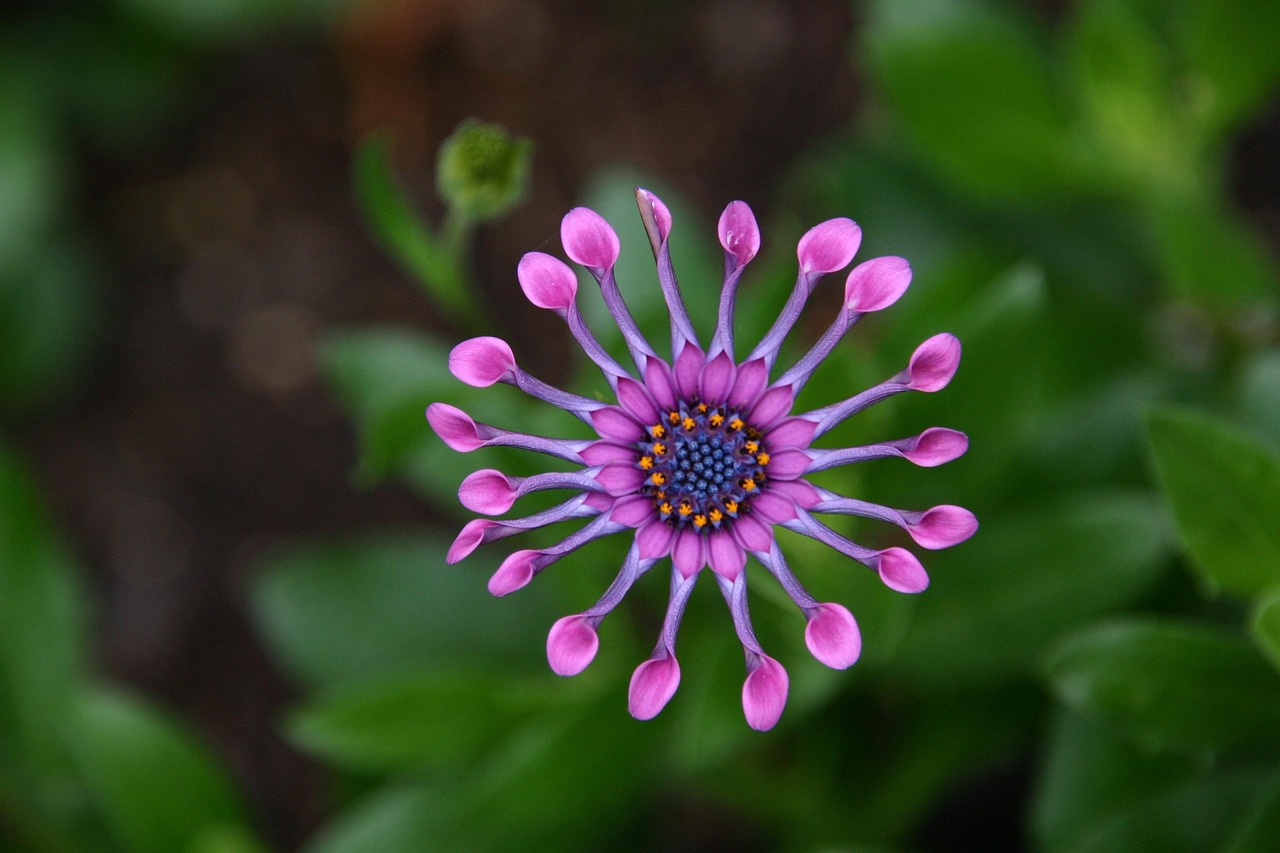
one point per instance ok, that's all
(234, 256)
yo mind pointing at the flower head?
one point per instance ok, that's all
(702, 456)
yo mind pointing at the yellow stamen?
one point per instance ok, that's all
(763, 458)
(717, 419)
(660, 449)
(646, 462)
(674, 417)
(748, 485)
(716, 515)
(699, 521)
(658, 478)
(736, 424)
(688, 424)
(660, 494)
(702, 408)
(752, 446)
(658, 430)
(665, 508)
(685, 508)
(731, 505)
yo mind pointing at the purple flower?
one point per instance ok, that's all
(701, 456)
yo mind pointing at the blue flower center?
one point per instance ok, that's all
(704, 464)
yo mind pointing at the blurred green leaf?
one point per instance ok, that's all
(1258, 397)
(47, 311)
(1172, 685)
(42, 630)
(439, 719)
(1099, 792)
(154, 786)
(1124, 76)
(1266, 627)
(1234, 64)
(315, 605)
(32, 170)
(973, 91)
(997, 601)
(404, 819)
(1259, 830)
(403, 234)
(386, 377)
(214, 21)
(1212, 256)
(1224, 488)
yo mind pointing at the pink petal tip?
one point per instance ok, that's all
(655, 216)
(470, 538)
(454, 426)
(943, 526)
(739, 233)
(829, 246)
(480, 362)
(876, 284)
(588, 239)
(937, 446)
(764, 694)
(934, 363)
(652, 685)
(832, 636)
(901, 571)
(571, 645)
(546, 281)
(515, 572)
(487, 492)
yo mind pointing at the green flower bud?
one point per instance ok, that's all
(482, 171)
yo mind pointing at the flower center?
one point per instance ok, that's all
(704, 464)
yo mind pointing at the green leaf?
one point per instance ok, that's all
(400, 229)
(1259, 830)
(999, 600)
(340, 610)
(1231, 48)
(1171, 685)
(1099, 791)
(386, 378)
(973, 92)
(1224, 488)
(438, 719)
(42, 630)
(1211, 255)
(1266, 627)
(155, 787)
(393, 820)
(1258, 397)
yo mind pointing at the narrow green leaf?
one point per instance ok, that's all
(1212, 255)
(155, 787)
(395, 222)
(1266, 627)
(1231, 47)
(1171, 685)
(973, 92)
(1224, 488)
(439, 719)
(998, 601)
(315, 606)
(1099, 791)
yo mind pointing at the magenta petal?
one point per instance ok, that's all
(773, 507)
(717, 379)
(658, 379)
(454, 426)
(900, 570)
(788, 464)
(470, 538)
(635, 399)
(620, 478)
(603, 452)
(753, 375)
(943, 526)
(934, 363)
(588, 239)
(801, 493)
(656, 217)
(482, 361)
(652, 685)
(571, 645)
(832, 636)
(793, 432)
(613, 423)
(764, 694)
(688, 369)
(726, 556)
(515, 572)
(829, 246)
(632, 511)
(547, 281)
(739, 233)
(689, 553)
(772, 405)
(876, 284)
(936, 446)
(655, 539)
(753, 533)
(487, 491)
